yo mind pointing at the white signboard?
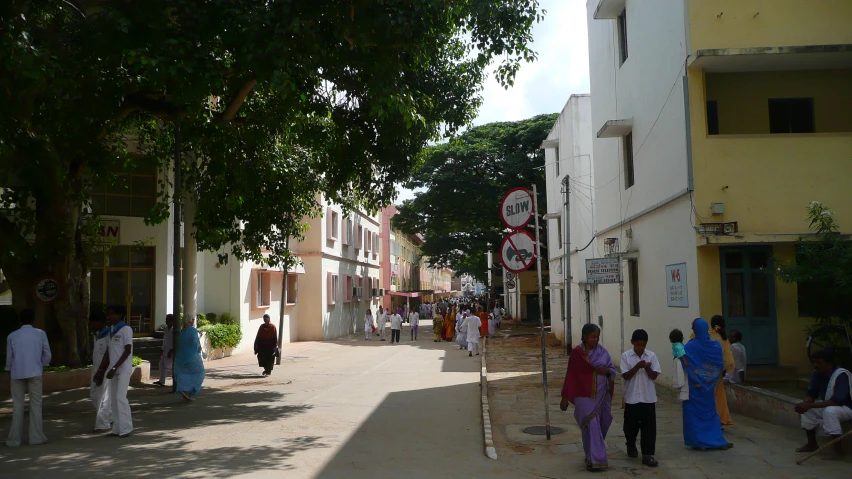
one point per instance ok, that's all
(110, 231)
(518, 251)
(676, 290)
(603, 270)
(516, 209)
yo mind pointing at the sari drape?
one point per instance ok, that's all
(591, 394)
(701, 426)
(449, 326)
(719, 393)
(264, 345)
(189, 367)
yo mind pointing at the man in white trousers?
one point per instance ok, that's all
(167, 358)
(473, 323)
(100, 393)
(414, 323)
(118, 365)
(381, 319)
(27, 353)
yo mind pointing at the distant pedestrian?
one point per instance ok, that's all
(589, 386)
(461, 329)
(828, 402)
(473, 325)
(702, 428)
(396, 326)
(483, 321)
(368, 325)
(498, 315)
(437, 325)
(99, 393)
(27, 354)
(381, 319)
(639, 369)
(740, 358)
(166, 357)
(414, 321)
(266, 345)
(189, 367)
(491, 325)
(118, 366)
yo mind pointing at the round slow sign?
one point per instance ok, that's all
(516, 209)
(47, 290)
(517, 251)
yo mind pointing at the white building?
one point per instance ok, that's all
(637, 58)
(568, 160)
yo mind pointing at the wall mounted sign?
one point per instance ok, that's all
(676, 286)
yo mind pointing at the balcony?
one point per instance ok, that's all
(729, 35)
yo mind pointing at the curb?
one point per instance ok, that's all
(490, 450)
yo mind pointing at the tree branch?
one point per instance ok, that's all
(231, 111)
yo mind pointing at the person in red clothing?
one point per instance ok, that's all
(483, 316)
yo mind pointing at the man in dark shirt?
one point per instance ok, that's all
(828, 401)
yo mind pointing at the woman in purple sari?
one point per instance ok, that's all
(589, 385)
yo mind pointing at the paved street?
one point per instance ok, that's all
(348, 408)
(516, 401)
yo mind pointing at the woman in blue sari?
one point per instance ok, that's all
(189, 367)
(704, 366)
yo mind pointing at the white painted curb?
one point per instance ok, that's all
(490, 450)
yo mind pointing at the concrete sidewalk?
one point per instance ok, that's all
(516, 401)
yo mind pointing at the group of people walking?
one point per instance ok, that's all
(700, 367)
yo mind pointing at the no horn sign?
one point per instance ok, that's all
(517, 252)
(516, 209)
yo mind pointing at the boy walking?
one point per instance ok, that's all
(116, 367)
(639, 369)
(396, 326)
(414, 322)
(381, 318)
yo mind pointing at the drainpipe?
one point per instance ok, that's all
(566, 270)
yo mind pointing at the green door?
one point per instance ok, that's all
(748, 300)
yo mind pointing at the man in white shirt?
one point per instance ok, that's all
(381, 319)
(99, 393)
(118, 365)
(396, 325)
(27, 353)
(740, 358)
(472, 325)
(639, 369)
(166, 358)
(414, 322)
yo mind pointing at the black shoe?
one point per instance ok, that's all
(470, 354)
(632, 451)
(650, 461)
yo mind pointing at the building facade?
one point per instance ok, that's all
(716, 124)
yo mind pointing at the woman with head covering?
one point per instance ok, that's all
(589, 385)
(449, 323)
(717, 333)
(701, 426)
(265, 344)
(189, 368)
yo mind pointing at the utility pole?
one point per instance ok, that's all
(566, 271)
(541, 317)
(176, 276)
(283, 302)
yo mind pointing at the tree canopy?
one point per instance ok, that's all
(278, 101)
(463, 182)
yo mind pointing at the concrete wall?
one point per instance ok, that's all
(779, 23)
(742, 98)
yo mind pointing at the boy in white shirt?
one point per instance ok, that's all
(740, 358)
(414, 322)
(396, 325)
(639, 369)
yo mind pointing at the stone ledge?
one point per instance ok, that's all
(761, 404)
(76, 378)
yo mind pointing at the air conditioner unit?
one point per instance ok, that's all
(360, 292)
(375, 292)
(381, 291)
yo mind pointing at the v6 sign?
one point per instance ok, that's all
(516, 209)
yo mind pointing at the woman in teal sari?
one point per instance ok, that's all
(189, 368)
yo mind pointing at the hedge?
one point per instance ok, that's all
(223, 335)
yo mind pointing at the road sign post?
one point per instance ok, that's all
(541, 323)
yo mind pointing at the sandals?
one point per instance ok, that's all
(632, 451)
(650, 461)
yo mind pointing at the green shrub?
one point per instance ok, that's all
(201, 320)
(136, 361)
(227, 318)
(212, 318)
(223, 335)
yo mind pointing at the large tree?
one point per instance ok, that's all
(278, 101)
(463, 182)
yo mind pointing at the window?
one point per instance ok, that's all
(359, 237)
(332, 227)
(128, 195)
(347, 289)
(556, 160)
(367, 240)
(347, 232)
(821, 298)
(559, 232)
(375, 245)
(791, 115)
(622, 37)
(633, 278)
(262, 290)
(712, 117)
(629, 179)
(292, 289)
(333, 288)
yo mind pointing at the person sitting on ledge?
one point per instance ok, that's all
(828, 402)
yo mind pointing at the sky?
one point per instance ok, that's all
(562, 69)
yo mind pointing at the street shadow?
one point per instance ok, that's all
(155, 447)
